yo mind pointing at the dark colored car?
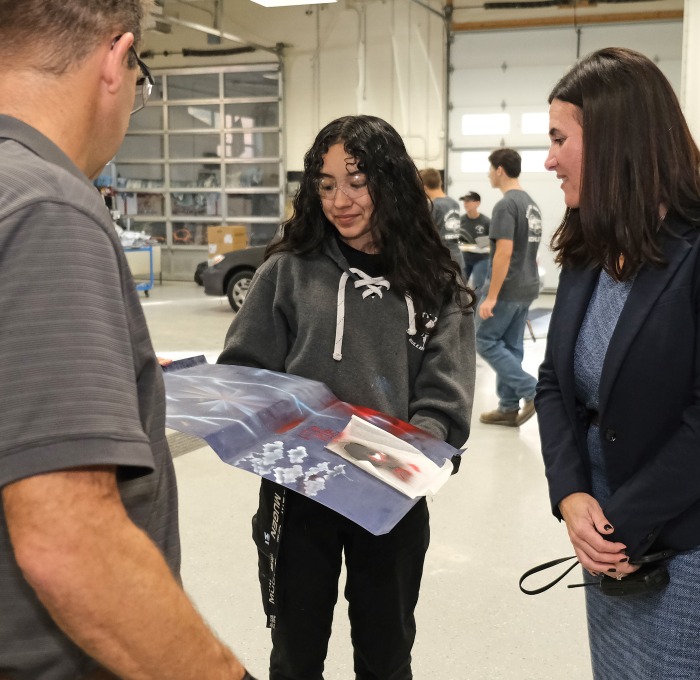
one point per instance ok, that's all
(231, 275)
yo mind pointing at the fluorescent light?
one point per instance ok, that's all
(485, 123)
(535, 123)
(290, 3)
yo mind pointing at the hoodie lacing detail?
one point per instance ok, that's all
(373, 286)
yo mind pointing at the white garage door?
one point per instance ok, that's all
(499, 86)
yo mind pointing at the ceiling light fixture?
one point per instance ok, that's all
(290, 3)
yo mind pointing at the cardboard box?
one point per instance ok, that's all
(226, 238)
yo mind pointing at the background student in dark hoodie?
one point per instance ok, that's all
(360, 294)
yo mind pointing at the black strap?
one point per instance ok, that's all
(542, 567)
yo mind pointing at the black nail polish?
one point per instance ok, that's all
(624, 559)
(607, 527)
(612, 569)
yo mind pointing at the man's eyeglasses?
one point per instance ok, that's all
(354, 187)
(144, 84)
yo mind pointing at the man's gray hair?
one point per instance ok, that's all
(54, 35)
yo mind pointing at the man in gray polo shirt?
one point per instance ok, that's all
(89, 546)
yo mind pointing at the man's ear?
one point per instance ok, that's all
(113, 65)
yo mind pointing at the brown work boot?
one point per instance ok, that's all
(497, 417)
(526, 412)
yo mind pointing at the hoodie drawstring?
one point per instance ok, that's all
(373, 286)
(411, 330)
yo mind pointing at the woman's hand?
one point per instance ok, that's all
(587, 526)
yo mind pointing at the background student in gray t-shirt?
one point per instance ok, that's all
(516, 231)
(474, 237)
(445, 213)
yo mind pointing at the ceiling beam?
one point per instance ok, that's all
(544, 22)
(221, 34)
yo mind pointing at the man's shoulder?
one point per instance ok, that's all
(515, 201)
(503, 205)
(32, 183)
(452, 202)
(519, 196)
(16, 164)
(446, 203)
(26, 177)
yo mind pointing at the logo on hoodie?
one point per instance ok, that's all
(419, 342)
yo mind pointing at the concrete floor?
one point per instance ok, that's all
(489, 524)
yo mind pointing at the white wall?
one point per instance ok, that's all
(514, 72)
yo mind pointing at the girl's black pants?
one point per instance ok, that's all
(383, 580)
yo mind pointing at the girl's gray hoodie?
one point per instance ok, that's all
(313, 316)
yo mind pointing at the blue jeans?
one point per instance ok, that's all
(499, 341)
(477, 269)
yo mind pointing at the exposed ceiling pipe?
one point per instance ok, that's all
(190, 52)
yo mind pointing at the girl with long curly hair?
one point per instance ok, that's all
(360, 294)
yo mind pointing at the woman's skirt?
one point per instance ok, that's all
(652, 636)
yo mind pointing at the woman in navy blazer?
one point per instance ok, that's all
(618, 398)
